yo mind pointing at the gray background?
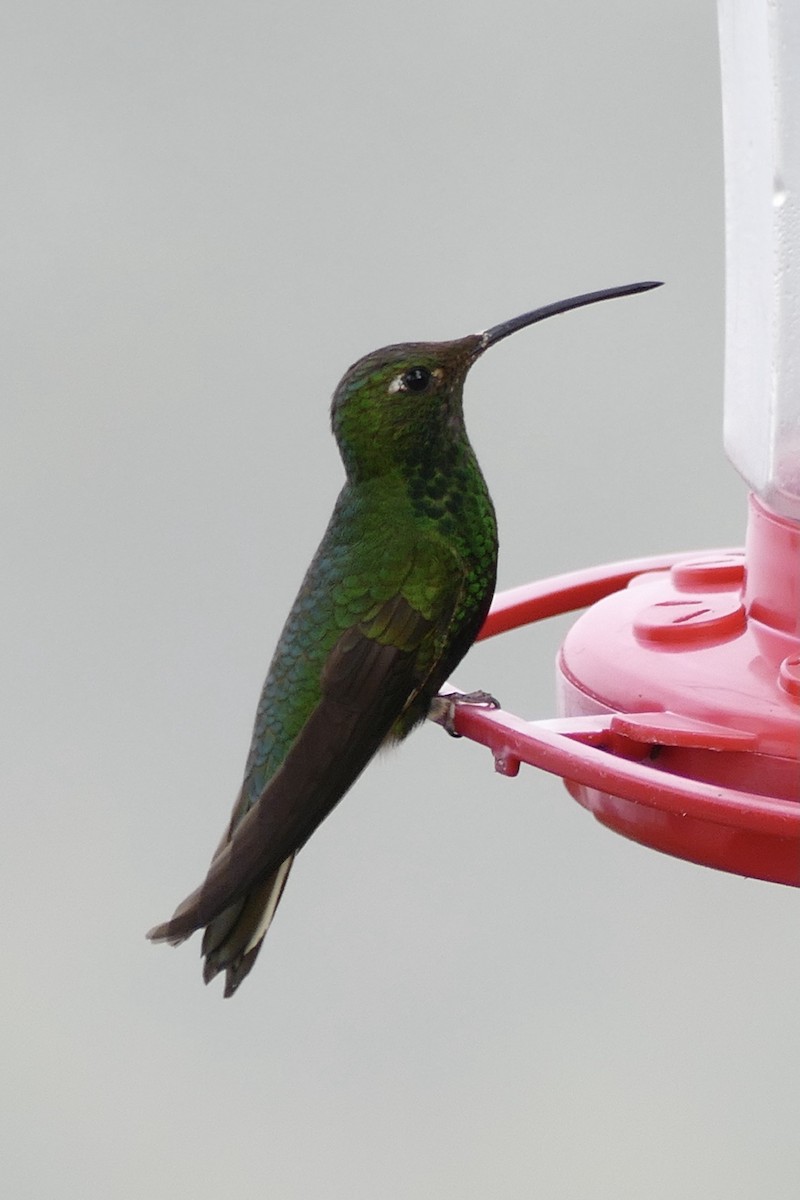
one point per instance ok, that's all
(472, 989)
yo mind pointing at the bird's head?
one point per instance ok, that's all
(407, 398)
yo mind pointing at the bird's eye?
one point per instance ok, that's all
(416, 379)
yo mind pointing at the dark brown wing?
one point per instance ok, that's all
(367, 681)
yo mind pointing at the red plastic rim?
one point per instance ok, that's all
(719, 826)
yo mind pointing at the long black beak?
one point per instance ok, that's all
(498, 332)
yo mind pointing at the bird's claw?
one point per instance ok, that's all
(442, 709)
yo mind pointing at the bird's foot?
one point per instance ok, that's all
(442, 709)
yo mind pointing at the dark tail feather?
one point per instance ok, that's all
(233, 939)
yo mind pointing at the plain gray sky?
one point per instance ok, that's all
(471, 989)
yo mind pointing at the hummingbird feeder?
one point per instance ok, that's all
(679, 686)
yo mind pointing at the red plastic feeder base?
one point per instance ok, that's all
(680, 695)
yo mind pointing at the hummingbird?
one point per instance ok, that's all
(394, 597)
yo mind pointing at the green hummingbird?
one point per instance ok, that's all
(393, 599)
